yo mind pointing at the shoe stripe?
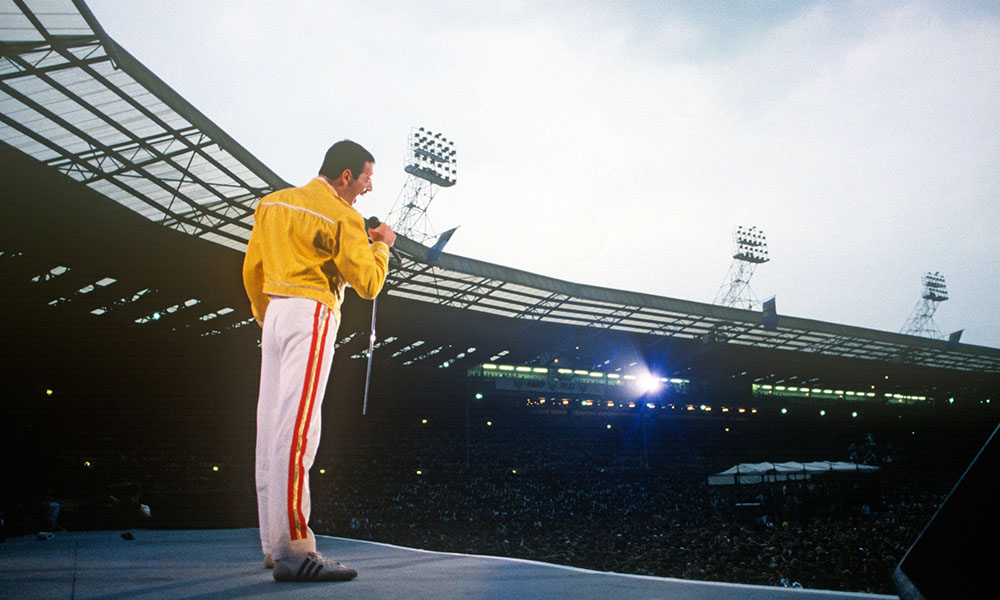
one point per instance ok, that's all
(317, 568)
(299, 575)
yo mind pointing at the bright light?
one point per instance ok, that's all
(854, 415)
(609, 425)
(48, 392)
(215, 468)
(513, 471)
(822, 413)
(424, 421)
(479, 396)
(322, 471)
(489, 423)
(650, 405)
(419, 472)
(784, 411)
(648, 383)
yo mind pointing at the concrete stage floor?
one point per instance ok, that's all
(226, 563)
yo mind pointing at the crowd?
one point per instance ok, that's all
(611, 494)
(611, 510)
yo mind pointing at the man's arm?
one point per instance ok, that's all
(361, 264)
(253, 279)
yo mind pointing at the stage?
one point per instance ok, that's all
(226, 563)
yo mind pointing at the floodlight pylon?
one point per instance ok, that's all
(750, 250)
(921, 321)
(431, 165)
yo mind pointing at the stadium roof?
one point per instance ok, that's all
(74, 100)
(470, 284)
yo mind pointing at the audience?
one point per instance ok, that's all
(612, 492)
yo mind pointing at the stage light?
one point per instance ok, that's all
(609, 426)
(784, 411)
(648, 383)
(489, 423)
(854, 415)
(48, 392)
(419, 472)
(822, 413)
(86, 463)
(479, 396)
(424, 421)
(322, 471)
(215, 468)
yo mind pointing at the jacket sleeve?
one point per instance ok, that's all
(253, 278)
(361, 264)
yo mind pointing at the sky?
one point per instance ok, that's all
(620, 144)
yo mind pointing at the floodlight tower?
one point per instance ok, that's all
(750, 251)
(431, 164)
(921, 321)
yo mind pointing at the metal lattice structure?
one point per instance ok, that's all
(468, 284)
(750, 250)
(431, 164)
(921, 320)
(73, 99)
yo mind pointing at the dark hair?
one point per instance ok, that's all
(345, 154)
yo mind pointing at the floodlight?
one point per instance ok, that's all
(750, 250)
(648, 383)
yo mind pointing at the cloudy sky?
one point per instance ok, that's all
(620, 144)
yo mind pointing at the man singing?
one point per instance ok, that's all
(308, 243)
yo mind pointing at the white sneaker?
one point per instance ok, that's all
(311, 567)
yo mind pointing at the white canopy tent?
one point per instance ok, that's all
(784, 471)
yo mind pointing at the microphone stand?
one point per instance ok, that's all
(371, 352)
(371, 223)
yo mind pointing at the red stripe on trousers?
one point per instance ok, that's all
(309, 412)
(293, 506)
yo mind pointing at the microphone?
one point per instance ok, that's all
(372, 223)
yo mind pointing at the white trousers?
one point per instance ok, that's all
(297, 346)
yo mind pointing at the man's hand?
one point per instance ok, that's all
(383, 233)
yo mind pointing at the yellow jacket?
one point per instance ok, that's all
(309, 242)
